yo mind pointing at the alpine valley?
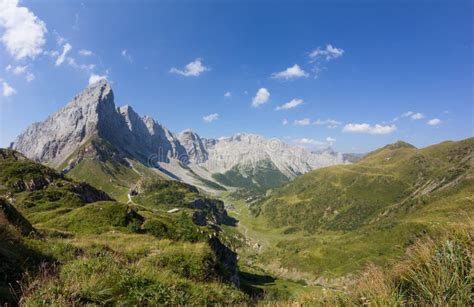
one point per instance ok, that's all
(102, 206)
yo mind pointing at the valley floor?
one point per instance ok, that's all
(274, 282)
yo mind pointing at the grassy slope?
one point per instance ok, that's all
(333, 221)
(103, 167)
(103, 252)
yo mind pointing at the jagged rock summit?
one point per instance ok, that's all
(93, 113)
(185, 156)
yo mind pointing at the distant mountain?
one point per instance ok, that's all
(93, 140)
(251, 161)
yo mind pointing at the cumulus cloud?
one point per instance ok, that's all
(284, 122)
(369, 129)
(292, 72)
(262, 96)
(290, 104)
(193, 69)
(329, 123)
(308, 141)
(95, 78)
(24, 33)
(320, 56)
(328, 53)
(60, 59)
(85, 52)
(227, 94)
(434, 122)
(410, 114)
(315, 144)
(18, 70)
(7, 89)
(21, 70)
(210, 118)
(417, 116)
(302, 122)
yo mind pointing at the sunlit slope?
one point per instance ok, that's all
(398, 176)
(335, 220)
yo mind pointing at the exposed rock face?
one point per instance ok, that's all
(90, 113)
(247, 151)
(59, 135)
(93, 114)
(210, 211)
(194, 145)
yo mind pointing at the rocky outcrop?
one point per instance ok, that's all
(227, 260)
(10, 217)
(210, 211)
(89, 194)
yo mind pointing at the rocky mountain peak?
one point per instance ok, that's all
(52, 140)
(194, 145)
(93, 113)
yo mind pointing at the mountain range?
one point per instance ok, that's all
(103, 206)
(91, 119)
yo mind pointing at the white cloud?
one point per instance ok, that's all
(227, 94)
(85, 52)
(434, 122)
(21, 70)
(95, 78)
(315, 144)
(24, 34)
(193, 69)
(412, 115)
(290, 104)
(59, 39)
(211, 117)
(18, 70)
(329, 123)
(302, 122)
(60, 59)
(366, 128)
(284, 122)
(85, 67)
(308, 141)
(327, 53)
(260, 97)
(417, 116)
(292, 72)
(8, 90)
(320, 56)
(126, 55)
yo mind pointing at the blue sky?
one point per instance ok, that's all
(367, 74)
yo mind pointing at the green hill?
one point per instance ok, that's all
(333, 221)
(64, 242)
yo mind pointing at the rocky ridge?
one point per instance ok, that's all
(93, 113)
